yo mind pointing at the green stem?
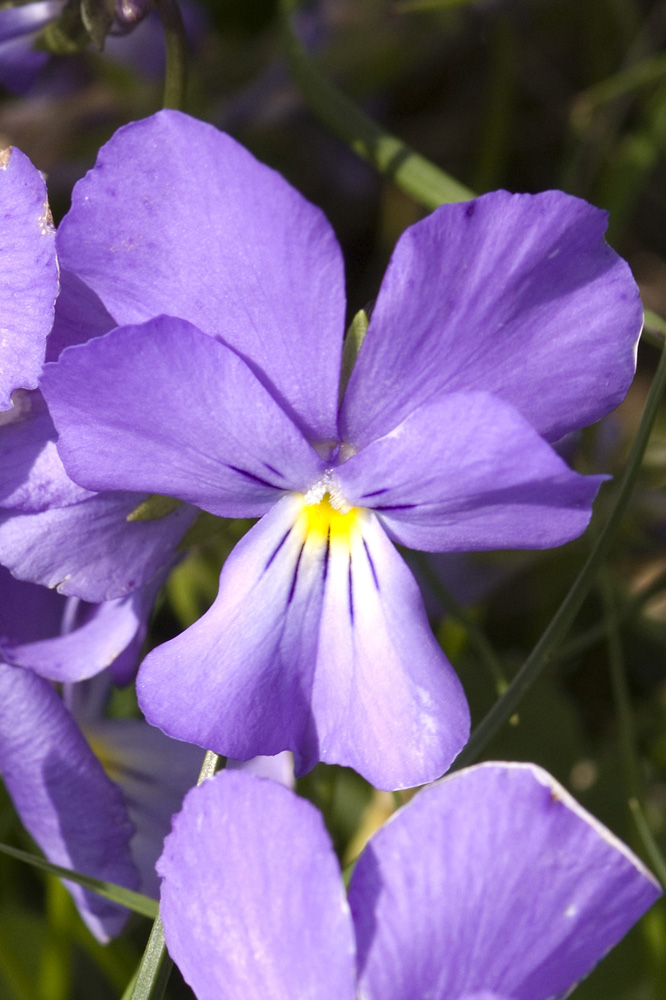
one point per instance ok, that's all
(175, 41)
(413, 173)
(620, 688)
(545, 649)
(596, 633)
(155, 968)
(652, 851)
(625, 721)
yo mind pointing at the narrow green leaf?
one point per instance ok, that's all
(154, 508)
(352, 345)
(650, 845)
(155, 969)
(135, 901)
(546, 649)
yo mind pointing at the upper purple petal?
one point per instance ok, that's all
(166, 409)
(466, 471)
(517, 295)
(64, 798)
(320, 648)
(494, 879)
(252, 899)
(28, 273)
(177, 218)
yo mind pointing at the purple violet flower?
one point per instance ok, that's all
(493, 884)
(500, 325)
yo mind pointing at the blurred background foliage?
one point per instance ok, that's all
(521, 94)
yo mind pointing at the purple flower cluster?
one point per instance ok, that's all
(195, 313)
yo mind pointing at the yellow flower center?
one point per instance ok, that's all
(325, 522)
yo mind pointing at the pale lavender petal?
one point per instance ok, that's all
(239, 680)
(252, 899)
(64, 798)
(321, 648)
(90, 549)
(495, 847)
(165, 408)
(483, 995)
(28, 273)
(99, 635)
(32, 476)
(21, 20)
(517, 295)
(177, 218)
(279, 767)
(64, 638)
(465, 472)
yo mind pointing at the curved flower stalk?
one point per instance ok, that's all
(493, 884)
(500, 325)
(28, 273)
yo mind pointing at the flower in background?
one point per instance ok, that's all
(96, 794)
(20, 26)
(500, 325)
(31, 33)
(71, 808)
(493, 884)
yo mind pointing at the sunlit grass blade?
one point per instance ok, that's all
(136, 901)
(413, 173)
(654, 331)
